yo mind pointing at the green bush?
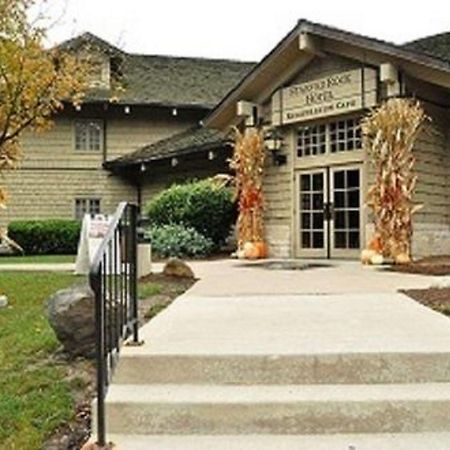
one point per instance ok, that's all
(178, 240)
(46, 237)
(202, 205)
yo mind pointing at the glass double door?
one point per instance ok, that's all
(329, 212)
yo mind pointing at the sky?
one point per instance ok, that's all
(236, 29)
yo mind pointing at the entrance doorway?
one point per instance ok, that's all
(329, 214)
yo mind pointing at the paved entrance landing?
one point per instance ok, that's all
(252, 357)
(234, 278)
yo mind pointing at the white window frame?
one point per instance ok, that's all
(89, 148)
(88, 206)
(309, 153)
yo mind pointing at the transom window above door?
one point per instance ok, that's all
(332, 137)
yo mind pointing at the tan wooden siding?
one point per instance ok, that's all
(324, 66)
(433, 170)
(42, 194)
(127, 134)
(278, 194)
(55, 148)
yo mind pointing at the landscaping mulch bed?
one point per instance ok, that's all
(81, 372)
(170, 288)
(432, 265)
(435, 298)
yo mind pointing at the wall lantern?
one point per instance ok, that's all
(211, 155)
(273, 141)
(143, 167)
(174, 162)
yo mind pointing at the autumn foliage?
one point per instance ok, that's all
(248, 164)
(34, 81)
(389, 135)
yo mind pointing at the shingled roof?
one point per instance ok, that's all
(435, 45)
(189, 141)
(166, 80)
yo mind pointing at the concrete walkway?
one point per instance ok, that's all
(235, 278)
(37, 267)
(257, 358)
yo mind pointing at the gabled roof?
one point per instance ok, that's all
(166, 80)
(433, 67)
(189, 141)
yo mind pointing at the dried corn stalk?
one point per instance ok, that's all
(248, 163)
(389, 133)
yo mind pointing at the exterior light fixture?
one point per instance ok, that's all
(174, 112)
(143, 168)
(127, 110)
(174, 162)
(211, 155)
(273, 140)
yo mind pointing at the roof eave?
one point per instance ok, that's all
(118, 164)
(304, 26)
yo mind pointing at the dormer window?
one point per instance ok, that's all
(99, 68)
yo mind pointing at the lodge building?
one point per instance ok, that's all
(310, 92)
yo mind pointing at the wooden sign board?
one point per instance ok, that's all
(336, 94)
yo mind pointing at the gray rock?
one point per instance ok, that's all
(3, 301)
(71, 315)
(5, 249)
(175, 267)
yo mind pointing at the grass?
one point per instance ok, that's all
(146, 290)
(35, 398)
(36, 259)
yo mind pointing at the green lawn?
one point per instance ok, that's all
(34, 396)
(37, 259)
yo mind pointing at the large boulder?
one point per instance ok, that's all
(71, 314)
(175, 267)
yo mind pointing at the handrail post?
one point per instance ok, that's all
(114, 300)
(96, 285)
(134, 274)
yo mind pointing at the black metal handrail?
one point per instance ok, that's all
(113, 278)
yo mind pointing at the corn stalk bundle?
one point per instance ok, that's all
(248, 163)
(389, 133)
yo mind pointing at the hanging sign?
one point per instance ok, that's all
(336, 94)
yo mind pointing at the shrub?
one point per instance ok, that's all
(178, 240)
(45, 237)
(203, 205)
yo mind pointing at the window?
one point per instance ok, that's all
(345, 135)
(311, 140)
(333, 137)
(88, 135)
(86, 206)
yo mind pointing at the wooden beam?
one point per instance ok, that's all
(285, 75)
(310, 44)
(389, 76)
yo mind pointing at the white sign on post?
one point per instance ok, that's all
(93, 230)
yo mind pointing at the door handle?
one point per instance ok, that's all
(328, 211)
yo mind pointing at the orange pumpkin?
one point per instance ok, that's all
(250, 250)
(262, 249)
(376, 245)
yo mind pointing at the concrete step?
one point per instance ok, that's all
(404, 441)
(349, 368)
(289, 409)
